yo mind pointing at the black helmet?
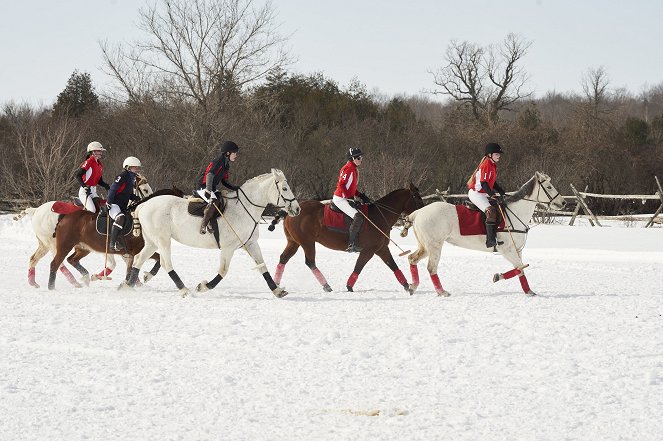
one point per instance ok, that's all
(354, 152)
(492, 147)
(229, 147)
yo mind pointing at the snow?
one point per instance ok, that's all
(583, 360)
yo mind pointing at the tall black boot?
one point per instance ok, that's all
(355, 226)
(115, 231)
(97, 203)
(491, 236)
(207, 215)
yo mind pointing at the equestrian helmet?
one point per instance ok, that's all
(354, 152)
(95, 146)
(229, 147)
(493, 147)
(131, 161)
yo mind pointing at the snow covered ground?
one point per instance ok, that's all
(583, 360)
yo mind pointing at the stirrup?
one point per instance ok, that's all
(352, 248)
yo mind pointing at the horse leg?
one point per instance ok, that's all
(512, 256)
(155, 269)
(253, 249)
(148, 249)
(104, 273)
(75, 260)
(58, 258)
(388, 259)
(289, 251)
(128, 261)
(224, 265)
(39, 253)
(362, 260)
(433, 261)
(414, 258)
(309, 260)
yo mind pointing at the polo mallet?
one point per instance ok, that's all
(106, 252)
(506, 225)
(403, 253)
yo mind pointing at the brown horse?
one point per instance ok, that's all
(308, 228)
(78, 230)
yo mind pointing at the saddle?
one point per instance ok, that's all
(61, 207)
(196, 207)
(101, 226)
(472, 221)
(336, 220)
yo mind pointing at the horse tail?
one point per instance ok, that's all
(407, 223)
(27, 212)
(276, 219)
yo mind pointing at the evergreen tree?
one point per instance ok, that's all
(77, 97)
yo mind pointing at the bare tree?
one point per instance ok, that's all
(198, 50)
(487, 80)
(595, 84)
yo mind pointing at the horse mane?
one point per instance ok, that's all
(391, 193)
(257, 178)
(170, 191)
(523, 192)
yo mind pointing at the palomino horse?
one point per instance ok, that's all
(308, 228)
(166, 218)
(438, 222)
(78, 229)
(44, 223)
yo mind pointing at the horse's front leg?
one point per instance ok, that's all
(364, 256)
(388, 259)
(513, 256)
(224, 265)
(253, 249)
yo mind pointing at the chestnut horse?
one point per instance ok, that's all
(308, 228)
(78, 229)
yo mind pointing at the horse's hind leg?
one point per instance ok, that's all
(75, 260)
(309, 260)
(289, 251)
(57, 262)
(433, 261)
(39, 253)
(388, 259)
(414, 258)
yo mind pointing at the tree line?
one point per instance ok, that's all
(192, 84)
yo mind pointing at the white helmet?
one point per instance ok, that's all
(131, 161)
(95, 145)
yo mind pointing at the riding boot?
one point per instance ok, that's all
(115, 231)
(355, 226)
(491, 227)
(207, 216)
(97, 203)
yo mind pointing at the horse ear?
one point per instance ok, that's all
(413, 188)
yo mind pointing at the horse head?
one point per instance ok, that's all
(283, 194)
(545, 193)
(415, 202)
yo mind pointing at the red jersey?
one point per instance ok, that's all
(93, 170)
(347, 181)
(487, 172)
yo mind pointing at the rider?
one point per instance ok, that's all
(217, 171)
(346, 190)
(89, 176)
(121, 192)
(484, 189)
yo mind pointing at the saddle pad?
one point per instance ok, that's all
(473, 222)
(196, 207)
(337, 220)
(126, 229)
(60, 207)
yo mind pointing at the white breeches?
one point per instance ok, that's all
(86, 199)
(344, 206)
(479, 199)
(114, 211)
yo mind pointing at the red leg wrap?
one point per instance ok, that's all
(509, 274)
(400, 277)
(31, 276)
(524, 284)
(68, 274)
(318, 275)
(436, 282)
(278, 273)
(415, 274)
(352, 279)
(106, 270)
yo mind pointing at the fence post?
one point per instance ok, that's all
(660, 208)
(585, 207)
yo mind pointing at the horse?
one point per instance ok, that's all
(308, 228)
(44, 223)
(166, 218)
(438, 222)
(78, 229)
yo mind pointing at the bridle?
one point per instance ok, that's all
(542, 187)
(380, 206)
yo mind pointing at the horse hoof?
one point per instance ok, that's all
(124, 286)
(530, 293)
(327, 288)
(86, 280)
(280, 292)
(138, 284)
(184, 292)
(497, 277)
(443, 293)
(77, 285)
(34, 284)
(202, 286)
(413, 287)
(147, 276)
(349, 288)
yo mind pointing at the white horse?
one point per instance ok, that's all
(166, 217)
(438, 222)
(45, 221)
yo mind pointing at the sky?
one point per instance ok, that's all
(390, 46)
